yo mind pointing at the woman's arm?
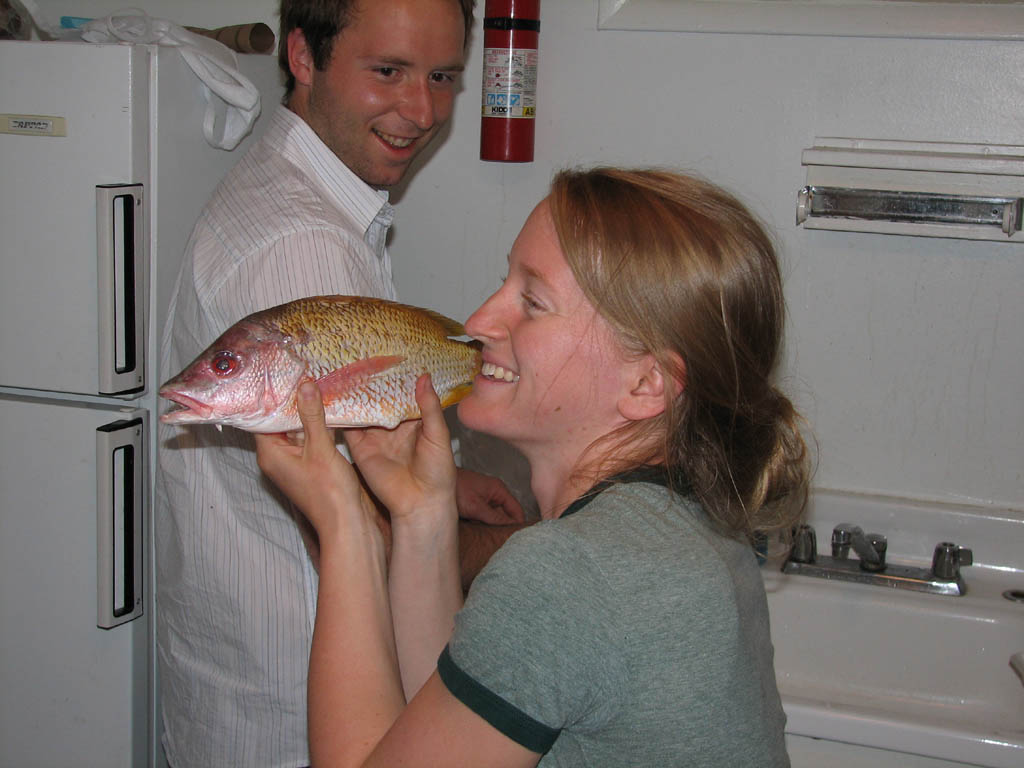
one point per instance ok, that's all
(437, 729)
(355, 692)
(412, 471)
(357, 711)
(425, 590)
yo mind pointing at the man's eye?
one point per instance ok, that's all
(442, 77)
(386, 71)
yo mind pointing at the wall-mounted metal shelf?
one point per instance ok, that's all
(929, 189)
(963, 20)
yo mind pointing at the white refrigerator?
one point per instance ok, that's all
(103, 171)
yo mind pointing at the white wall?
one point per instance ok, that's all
(907, 354)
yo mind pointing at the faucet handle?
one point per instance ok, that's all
(841, 540)
(880, 544)
(948, 559)
(805, 545)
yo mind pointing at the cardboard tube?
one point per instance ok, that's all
(13, 24)
(243, 38)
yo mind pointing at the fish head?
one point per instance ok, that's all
(244, 379)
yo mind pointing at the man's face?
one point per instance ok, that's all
(389, 85)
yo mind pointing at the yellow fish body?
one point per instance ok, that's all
(365, 355)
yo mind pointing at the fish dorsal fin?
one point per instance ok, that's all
(340, 382)
(451, 327)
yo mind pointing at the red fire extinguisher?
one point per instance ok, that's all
(511, 34)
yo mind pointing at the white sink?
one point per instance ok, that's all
(901, 670)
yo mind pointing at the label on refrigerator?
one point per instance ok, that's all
(33, 125)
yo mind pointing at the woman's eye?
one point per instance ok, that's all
(224, 363)
(530, 302)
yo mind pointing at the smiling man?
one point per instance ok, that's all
(369, 83)
(386, 86)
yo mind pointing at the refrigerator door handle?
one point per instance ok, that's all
(120, 497)
(121, 274)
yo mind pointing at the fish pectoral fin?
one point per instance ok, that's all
(340, 382)
(457, 394)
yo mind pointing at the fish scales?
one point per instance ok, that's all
(365, 353)
(332, 334)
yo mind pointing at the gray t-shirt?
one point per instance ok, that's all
(627, 633)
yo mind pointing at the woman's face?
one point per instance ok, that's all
(553, 371)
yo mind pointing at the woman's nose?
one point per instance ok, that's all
(484, 324)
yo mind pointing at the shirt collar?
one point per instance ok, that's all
(377, 233)
(647, 473)
(301, 145)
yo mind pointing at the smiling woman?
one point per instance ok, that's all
(561, 366)
(628, 355)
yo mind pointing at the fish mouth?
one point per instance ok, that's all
(183, 408)
(498, 373)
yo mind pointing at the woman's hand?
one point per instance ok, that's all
(410, 468)
(313, 474)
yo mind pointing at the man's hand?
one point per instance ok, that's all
(486, 499)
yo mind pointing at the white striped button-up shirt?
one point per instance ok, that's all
(236, 591)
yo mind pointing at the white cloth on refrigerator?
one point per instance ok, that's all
(212, 62)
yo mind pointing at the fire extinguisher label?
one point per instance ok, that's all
(510, 82)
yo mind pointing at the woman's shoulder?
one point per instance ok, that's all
(531, 549)
(628, 526)
(662, 532)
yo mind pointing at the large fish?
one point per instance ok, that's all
(365, 355)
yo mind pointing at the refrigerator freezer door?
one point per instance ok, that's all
(73, 694)
(49, 323)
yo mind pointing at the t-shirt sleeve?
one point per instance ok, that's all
(537, 648)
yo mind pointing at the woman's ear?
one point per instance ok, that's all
(300, 58)
(649, 388)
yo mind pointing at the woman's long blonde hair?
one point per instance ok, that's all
(683, 271)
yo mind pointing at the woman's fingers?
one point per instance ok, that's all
(435, 429)
(313, 474)
(310, 405)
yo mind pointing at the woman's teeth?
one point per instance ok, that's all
(492, 371)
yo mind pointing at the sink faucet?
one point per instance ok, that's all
(870, 547)
(943, 578)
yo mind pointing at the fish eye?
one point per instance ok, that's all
(224, 363)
